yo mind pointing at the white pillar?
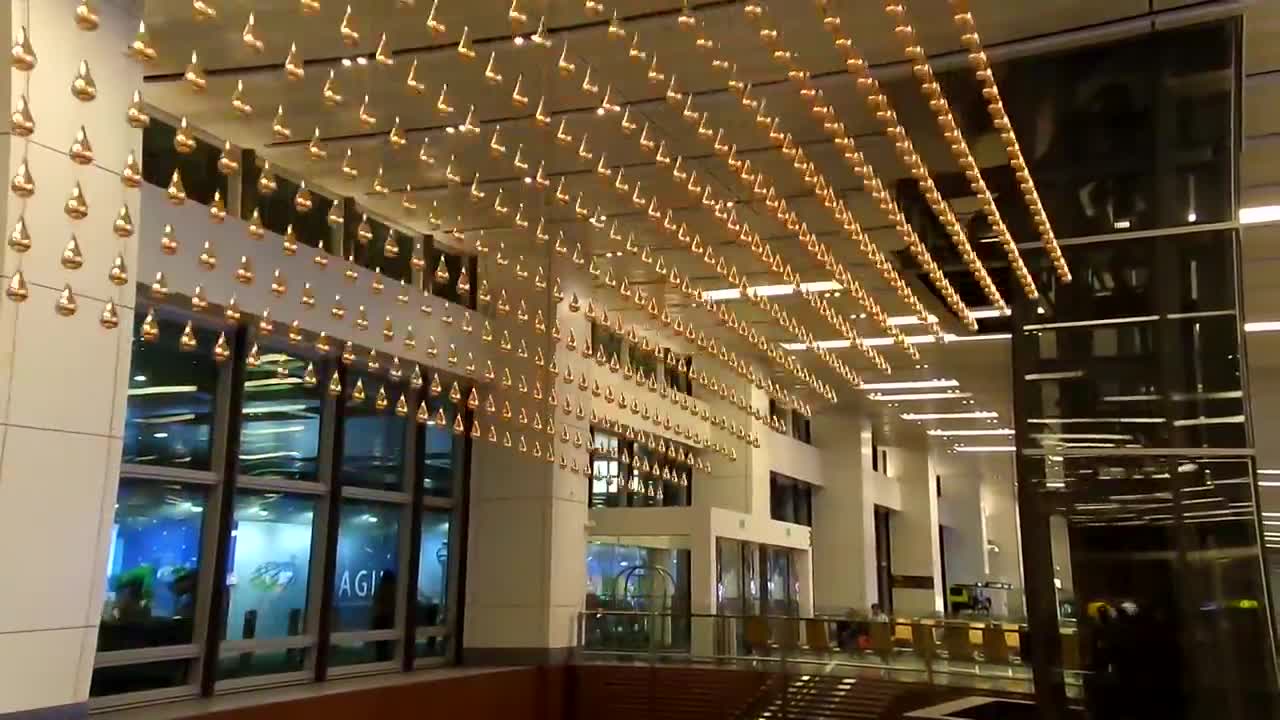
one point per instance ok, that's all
(843, 562)
(62, 379)
(526, 560)
(914, 531)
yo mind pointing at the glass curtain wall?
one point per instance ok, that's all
(627, 472)
(1135, 469)
(268, 530)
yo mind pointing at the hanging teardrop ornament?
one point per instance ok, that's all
(227, 163)
(383, 55)
(22, 183)
(22, 56)
(119, 273)
(131, 175)
(168, 241)
(86, 17)
(137, 115)
(309, 7)
(20, 236)
(83, 87)
(217, 209)
(17, 289)
(109, 318)
(140, 48)
(202, 11)
(176, 192)
(187, 340)
(21, 121)
(239, 103)
(293, 65)
(279, 129)
(123, 225)
(183, 140)
(66, 305)
(72, 258)
(250, 36)
(81, 150)
(350, 37)
(76, 207)
(194, 74)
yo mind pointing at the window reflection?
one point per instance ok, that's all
(270, 565)
(280, 423)
(199, 168)
(438, 448)
(364, 592)
(634, 577)
(170, 410)
(433, 569)
(372, 439)
(120, 679)
(153, 564)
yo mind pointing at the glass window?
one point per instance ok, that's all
(169, 417)
(433, 569)
(365, 581)
(261, 662)
(199, 169)
(153, 566)
(278, 210)
(635, 577)
(280, 419)
(439, 447)
(120, 679)
(372, 439)
(448, 290)
(270, 564)
(394, 264)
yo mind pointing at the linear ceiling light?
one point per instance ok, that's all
(971, 433)
(1263, 326)
(952, 395)
(986, 448)
(771, 290)
(1259, 214)
(969, 415)
(884, 341)
(912, 384)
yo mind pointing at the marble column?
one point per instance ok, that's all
(63, 379)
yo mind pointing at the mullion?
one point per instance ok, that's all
(415, 451)
(330, 474)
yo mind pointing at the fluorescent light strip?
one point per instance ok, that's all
(1066, 421)
(1259, 214)
(886, 341)
(1225, 420)
(1262, 326)
(1063, 375)
(987, 449)
(953, 395)
(912, 384)
(770, 290)
(971, 415)
(971, 433)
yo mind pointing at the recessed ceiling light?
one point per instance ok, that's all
(346, 62)
(987, 448)
(362, 60)
(518, 40)
(953, 394)
(912, 384)
(968, 433)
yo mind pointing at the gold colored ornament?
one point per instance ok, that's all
(109, 318)
(293, 66)
(72, 257)
(123, 225)
(76, 207)
(81, 151)
(86, 17)
(176, 192)
(350, 37)
(17, 289)
(119, 273)
(131, 175)
(194, 75)
(140, 48)
(21, 122)
(66, 305)
(20, 236)
(22, 56)
(250, 37)
(22, 183)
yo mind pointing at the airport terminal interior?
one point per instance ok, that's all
(628, 359)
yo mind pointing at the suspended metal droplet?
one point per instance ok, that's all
(21, 121)
(82, 86)
(72, 258)
(66, 305)
(17, 289)
(76, 207)
(22, 56)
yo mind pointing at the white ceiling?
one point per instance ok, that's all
(982, 367)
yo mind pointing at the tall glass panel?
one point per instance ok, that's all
(270, 565)
(433, 569)
(729, 593)
(153, 566)
(169, 417)
(368, 568)
(280, 418)
(438, 446)
(372, 438)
